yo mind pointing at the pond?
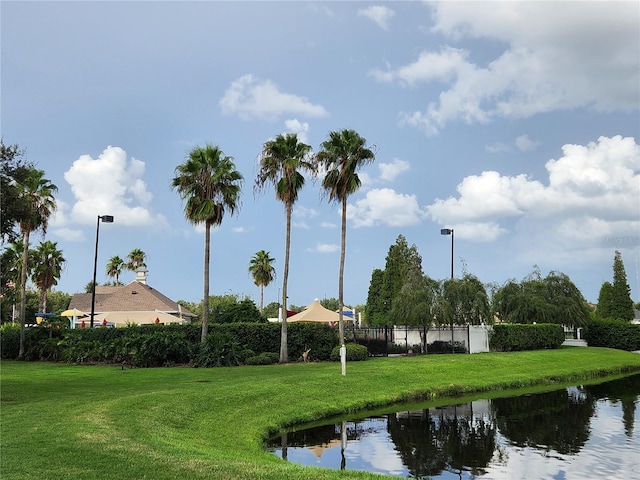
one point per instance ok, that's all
(581, 432)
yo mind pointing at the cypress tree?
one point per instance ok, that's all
(621, 303)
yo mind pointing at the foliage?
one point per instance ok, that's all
(618, 334)
(614, 300)
(232, 308)
(518, 337)
(440, 346)
(465, 302)
(210, 185)
(270, 310)
(330, 304)
(115, 267)
(553, 299)
(283, 161)
(217, 351)
(13, 170)
(266, 358)
(355, 353)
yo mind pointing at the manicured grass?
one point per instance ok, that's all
(63, 421)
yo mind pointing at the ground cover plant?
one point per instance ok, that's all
(102, 422)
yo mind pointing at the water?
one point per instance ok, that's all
(581, 432)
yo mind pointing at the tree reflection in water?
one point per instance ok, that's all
(465, 439)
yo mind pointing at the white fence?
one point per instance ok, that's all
(474, 338)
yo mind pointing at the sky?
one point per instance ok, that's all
(516, 124)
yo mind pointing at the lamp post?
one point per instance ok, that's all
(449, 231)
(105, 219)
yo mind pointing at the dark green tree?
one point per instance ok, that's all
(47, 269)
(465, 301)
(621, 303)
(14, 169)
(374, 310)
(605, 301)
(330, 303)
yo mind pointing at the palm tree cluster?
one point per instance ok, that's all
(116, 265)
(209, 185)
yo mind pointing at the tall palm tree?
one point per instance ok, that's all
(209, 184)
(341, 155)
(136, 259)
(47, 269)
(115, 267)
(37, 193)
(11, 273)
(263, 272)
(282, 162)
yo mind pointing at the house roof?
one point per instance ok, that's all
(133, 297)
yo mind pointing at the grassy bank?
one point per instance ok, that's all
(62, 421)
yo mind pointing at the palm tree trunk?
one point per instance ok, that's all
(343, 247)
(261, 298)
(284, 355)
(23, 292)
(205, 300)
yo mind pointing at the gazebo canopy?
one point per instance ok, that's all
(315, 313)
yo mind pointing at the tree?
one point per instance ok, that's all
(136, 259)
(417, 303)
(465, 301)
(374, 310)
(36, 192)
(13, 171)
(616, 302)
(115, 267)
(341, 156)
(282, 163)
(10, 275)
(330, 304)
(47, 269)
(553, 299)
(263, 272)
(210, 185)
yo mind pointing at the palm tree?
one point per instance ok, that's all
(47, 269)
(136, 259)
(36, 192)
(209, 184)
(115, 267)
(281, 163)
(341, 155)
(263, 272)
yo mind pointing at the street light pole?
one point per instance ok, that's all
(449, 231)
(105, 219)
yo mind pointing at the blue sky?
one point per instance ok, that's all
(514, 123)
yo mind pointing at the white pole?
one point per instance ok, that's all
(343, 359)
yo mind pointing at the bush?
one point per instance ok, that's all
(266, 358)
(355, 353)
(618, 334)
(440, 346)
(516, 337)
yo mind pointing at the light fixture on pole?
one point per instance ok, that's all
(105, 219)
(449, 231)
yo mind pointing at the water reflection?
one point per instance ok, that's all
(587, 431)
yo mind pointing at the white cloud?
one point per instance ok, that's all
(111, 184)
(250, 97)
(588, 57)
(324, 248)
(389, 171)
(525, 144)
(328, 225)
(304, 212)
(299, 128)
(497, 147)
(592, 194)
(385, 207)
(381, 15)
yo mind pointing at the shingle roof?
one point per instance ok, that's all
(135, 297)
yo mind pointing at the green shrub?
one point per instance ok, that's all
(441, 346)
(355, 353)
(516, 337)
(9, 340)
(618, 334)
(263, 359)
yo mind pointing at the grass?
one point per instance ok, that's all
(62, 421)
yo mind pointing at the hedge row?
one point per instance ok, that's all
(515, 337)
(618, 334)
(158, 345)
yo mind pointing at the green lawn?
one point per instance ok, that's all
(63, 421)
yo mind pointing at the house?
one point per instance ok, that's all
(134, 303)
